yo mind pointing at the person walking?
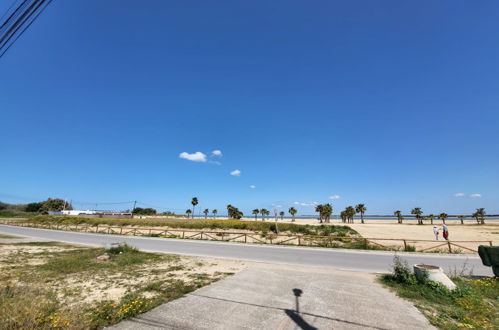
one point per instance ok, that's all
(435, 232)
(445, 232)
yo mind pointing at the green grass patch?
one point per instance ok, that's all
(473, 304)
(9, 236)
(85, 260)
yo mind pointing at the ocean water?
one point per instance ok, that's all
(357, 217)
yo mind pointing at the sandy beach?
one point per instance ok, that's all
(470, 231)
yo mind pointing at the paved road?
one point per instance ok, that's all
(354, 260)
(328, 299)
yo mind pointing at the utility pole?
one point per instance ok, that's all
(134, 203)
(276, 228)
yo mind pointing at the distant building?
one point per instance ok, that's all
(94, 214)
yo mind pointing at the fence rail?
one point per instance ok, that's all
(402, 244)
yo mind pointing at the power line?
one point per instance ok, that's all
(19, 21)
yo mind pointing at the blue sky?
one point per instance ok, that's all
(390, 103)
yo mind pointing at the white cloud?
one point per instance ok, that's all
(476, 195)
(459, 195)
(252, 186)
(235, 173)
(195, 157)
(335, 197)
(217, 153)
(306, 203)
(214, 162)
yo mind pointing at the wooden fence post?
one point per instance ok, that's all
(405, 245)
(245, 237)
(450, 250)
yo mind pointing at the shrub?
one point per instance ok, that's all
(402, 273)
(255, 226)
(410, 248)
(121, 248)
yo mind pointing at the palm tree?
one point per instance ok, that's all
(320, 209)
(350, 212)
(206, 211)
(188, 211)
(443, 216)
(282, 215)
(214, 213)
(361, 208)
(431, 217)
(264, 212)
(343, 215)
(480, 215)
(292, 211)
(417, 212)
(461, 217)
(327, 211)
(475, 215)
(233, 212)
(255, 212)
(399, 216)
(194, 202)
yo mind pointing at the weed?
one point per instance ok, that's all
(121, 248)
(473, 304)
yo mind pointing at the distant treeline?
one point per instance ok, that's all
(150, 211)
(44, 207)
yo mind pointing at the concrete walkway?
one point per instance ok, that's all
(265, 297)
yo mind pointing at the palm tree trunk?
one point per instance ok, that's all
(362, 217)
(193, 211)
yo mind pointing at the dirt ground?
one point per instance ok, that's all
(457, 232)
(96, 286)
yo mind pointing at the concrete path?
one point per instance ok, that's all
(342, 259)
(265, 297)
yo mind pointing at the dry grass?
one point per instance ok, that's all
(49, 285)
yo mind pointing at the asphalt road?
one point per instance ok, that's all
(341, 259)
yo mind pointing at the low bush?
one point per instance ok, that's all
(121, 248)
(473, 304)
(255, 226)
